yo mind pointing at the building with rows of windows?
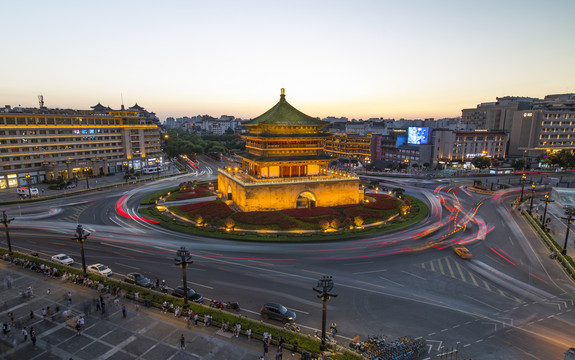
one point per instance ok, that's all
(44, 144)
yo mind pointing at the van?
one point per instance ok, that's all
(25, 192)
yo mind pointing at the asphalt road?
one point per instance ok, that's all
(509, 302)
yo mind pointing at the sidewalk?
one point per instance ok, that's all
(145, 333)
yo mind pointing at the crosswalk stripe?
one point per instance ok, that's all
(486, 285)
(440, 266)
(460, 271)
(473, 279)
(450, 269)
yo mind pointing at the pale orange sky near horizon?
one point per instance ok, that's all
(360, 59)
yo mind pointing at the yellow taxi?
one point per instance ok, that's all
(462, 252)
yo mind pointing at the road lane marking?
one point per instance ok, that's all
(381, 277)
(206, 286)
(408, 273)
(369, 272)
(359, 263)
(128, 266)
(460, 271)
(473, 279)
(440, 266)
(484, 303)
(449, 267)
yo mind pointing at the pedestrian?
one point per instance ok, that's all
(69, 298)
(25, 333)
(103, 308)
(31, 314)
(78, 328)
(249, 333)
(294, 347)
(279, 354)
(238, 329)
(44, 313)
(265, 349)
(195, 319)
(33, 339)
(98, 306)
(48, 311)
(11, 318)
(281, 342)
(182, 342)
(124, 311)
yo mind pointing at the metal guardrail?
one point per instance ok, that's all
(546, 237)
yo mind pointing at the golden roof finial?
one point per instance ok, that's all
(283, 92)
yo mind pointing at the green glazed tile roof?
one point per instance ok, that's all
(284, 114)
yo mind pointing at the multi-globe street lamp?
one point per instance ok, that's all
(86, 174)
(184, 258)
(81, 236)
(547, 201)
(532, 196)
(323, 288)
(569, 221)
(28, 183)
(7, 221)
(523, 179)
(158, 167)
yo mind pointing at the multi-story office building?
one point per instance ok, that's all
(462, 146)
(364, 148)
(548, 128)
(44, 144)
(496, 115)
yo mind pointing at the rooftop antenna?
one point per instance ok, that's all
(41, 101)
(122, 97)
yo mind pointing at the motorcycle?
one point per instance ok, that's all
(233, 305)
(216, 304)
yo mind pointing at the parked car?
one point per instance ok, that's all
(62, 259)
(462, 252)
(192, 295)
(277, 312)
(138, 279)
(99, 269)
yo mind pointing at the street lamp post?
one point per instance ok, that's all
(7, 221)
(323, 288)
(532, 196)
(28, 183)
(523, 179)
(547, 201)
(81, 236)
(184, 258)
(569, 221)
(87, 183)
(158, 167)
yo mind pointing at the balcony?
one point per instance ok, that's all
(248, 180)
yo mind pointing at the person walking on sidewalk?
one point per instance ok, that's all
(265, 349)
(124, 311)
(182, 342)
(25, 333)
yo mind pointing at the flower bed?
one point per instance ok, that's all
(207, 208)
(310, 212)
(361, 211)
(265, 218)
(383, 203)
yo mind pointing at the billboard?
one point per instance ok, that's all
(417, 135)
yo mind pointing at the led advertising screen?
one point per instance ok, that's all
(417, 135)
(400, 141)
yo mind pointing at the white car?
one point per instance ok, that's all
(100, 269)
(62, 259)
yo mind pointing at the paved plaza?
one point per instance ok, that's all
(144, 333)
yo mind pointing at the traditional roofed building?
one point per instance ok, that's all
(284, 165)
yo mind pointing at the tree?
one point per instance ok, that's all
(230, 223)
(324, 225)
(481, 162)
(200, 220)
(358, 221)
(334, 224)
(518, 164)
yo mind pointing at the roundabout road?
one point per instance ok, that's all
(509, 302)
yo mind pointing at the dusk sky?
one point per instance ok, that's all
(358, 59)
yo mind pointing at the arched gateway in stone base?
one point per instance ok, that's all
(284, 166)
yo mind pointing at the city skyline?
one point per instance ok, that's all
(363, 60)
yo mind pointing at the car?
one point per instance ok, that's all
(62, 259)
(192, 295)
(277, 312)
(138, 279)
(99, 269)
(462, 252)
